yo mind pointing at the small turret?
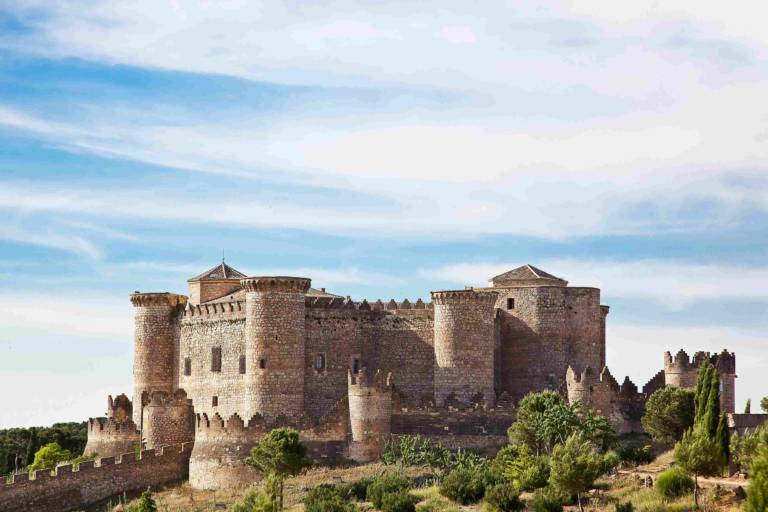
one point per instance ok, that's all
(370, 414)
(116, 434)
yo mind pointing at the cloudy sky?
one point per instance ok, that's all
(384, 149)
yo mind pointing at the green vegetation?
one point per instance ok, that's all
(624, 507)
(548, 499)
(328, 498)
(757, 495)
(278, 455)
(49, 456)
(145, 504)
(668, 413)
(744, 447)
(388, 483)
(401, 501)
(764, 404)
(464, 485)
(674, 483)
(19, 445)
(503, 498)
(748, 406)
(545, 419)
(575, 466)
(420, 451)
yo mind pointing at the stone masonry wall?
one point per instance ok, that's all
(94, 481)
(168, 420)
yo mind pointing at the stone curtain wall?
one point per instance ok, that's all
(548, 329)
(94, 481)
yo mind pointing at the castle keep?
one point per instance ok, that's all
(238, 356)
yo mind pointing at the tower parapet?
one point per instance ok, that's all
(155, 339)
(370, 413)
(115, 434)
(274, 345)
(168, 419)
(464, 341)
(683, 372)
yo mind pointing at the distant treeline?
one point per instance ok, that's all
(18, 445)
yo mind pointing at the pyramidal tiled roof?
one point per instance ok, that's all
(220, 271)
(527, 273)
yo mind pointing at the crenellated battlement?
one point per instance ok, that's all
(69, 487)
(215, 425)
(108, 427)
(157, 299)
(276, 284)
(363, 381)
(464, 296)
(226, 310)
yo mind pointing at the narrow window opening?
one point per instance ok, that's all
(319, 362)
(242, 364)
(215, 401)
(262, 363)
(216, 359)
(355, 366)
(187, 366)
(510, 303)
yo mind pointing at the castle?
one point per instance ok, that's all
(241, 355)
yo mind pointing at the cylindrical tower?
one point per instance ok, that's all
(464, 345)
(168, 420)
(370, 414)
(274, 345)
(155, 340)
(725, 362)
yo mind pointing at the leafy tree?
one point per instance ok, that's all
(744, 447)
(699, 454)
(723, 440)
(545, 419)
(281, 454)
(49, 456)
(748, 407)
(757, 495)
(31, 446)
(575, 466)
(764, 404)
(702, 390)
(668, 413)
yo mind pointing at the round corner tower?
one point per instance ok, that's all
(370, 414)
(464, 346)
(155, 341)
(274, 345)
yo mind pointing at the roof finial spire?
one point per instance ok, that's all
(222, 256)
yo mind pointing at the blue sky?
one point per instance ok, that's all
(384, 150)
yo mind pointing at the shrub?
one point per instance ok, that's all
(611, 461)
(416, 451)
(503, 498)
(624, 507)
(145, 504)
(674, 483)
(634, 453)
(536, 475)
(385, 484)
(328, 498)
(400, 501)
(547, 500)
(254, 500)
(464, 486)
(359, 488)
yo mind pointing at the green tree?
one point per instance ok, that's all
(32, 446)
(49, 456)
(764, 404)
(146, 502)
(748, 407)
(699, 454)
(669, 412)
(575, 466)
(722, 437)
(281, 454)
(711, 415)
(702, 390)
(757, 494)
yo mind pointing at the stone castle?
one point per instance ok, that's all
(219, 368)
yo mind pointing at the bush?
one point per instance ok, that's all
(145, 504)
(503, 498)
(385, 484)
(674, 483)
(624, 507)
(416, 451)
(634, 453)
(254, 500)
(547, 500)
(328, 498)
(611, 461)
(400, 501)
(536, 475)
(359, 488)
(464, 486)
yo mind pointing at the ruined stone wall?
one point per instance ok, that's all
(108, 438)
(156, 342)
(464, 346)
(275, 345)
(203, 329)
(68, 490)
(547, 329)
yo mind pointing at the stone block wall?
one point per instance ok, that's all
(168, 420)
(67, 489)
(108, 438)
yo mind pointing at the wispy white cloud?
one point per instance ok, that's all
(51, 239)
(674, 284)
